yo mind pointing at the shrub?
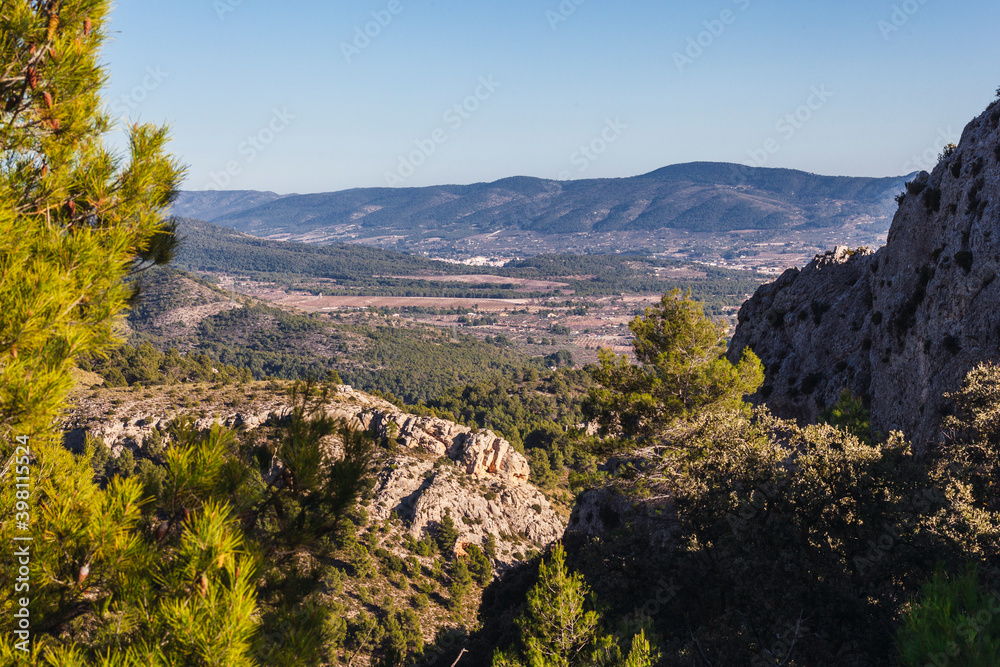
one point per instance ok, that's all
(490, 546)
(955, 622)
(479, 565)
(850, 415)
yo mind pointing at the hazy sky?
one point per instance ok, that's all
(305, 96)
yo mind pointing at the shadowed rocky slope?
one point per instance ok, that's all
(899, 327)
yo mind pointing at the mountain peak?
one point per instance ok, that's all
(694, 197)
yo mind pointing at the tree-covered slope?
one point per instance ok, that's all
(363, 270)
(702, 196)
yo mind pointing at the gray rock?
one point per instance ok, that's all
(899, 327)
(438, 466)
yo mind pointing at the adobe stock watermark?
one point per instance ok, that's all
(901, 15)
(878, 549)
(789, 125)
(927, 160)
(968, 628)
(588, 153)
(454, 117)
(124, 107)
(702, 41)
(22, 544)
(562, 13)
(223, 7)
(250, 149)
(364, 35)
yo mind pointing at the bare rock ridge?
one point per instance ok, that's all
(483, 454)
(899, 327)
(436, 466)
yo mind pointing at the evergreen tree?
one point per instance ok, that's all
(682, 370)
(447, 534)
(849, 414)
(956, 621)
(558, 630)
(461, 581)
(490, 546)
(117, 577)
(74, 219)
(479, 564)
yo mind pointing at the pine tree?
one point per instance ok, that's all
(682, 370)
(75, 219)
(461, 581)
(641, 654)
(490, 546)
(558, 630)
(118, 577)
(447, 534)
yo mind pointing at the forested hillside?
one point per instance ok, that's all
(362, 270)
(700, 196)
(185, 318)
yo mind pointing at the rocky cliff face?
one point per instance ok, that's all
(901, 326)
(434, 467)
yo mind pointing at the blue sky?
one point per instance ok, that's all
(295, 97)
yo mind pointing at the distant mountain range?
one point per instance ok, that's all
(697, 197)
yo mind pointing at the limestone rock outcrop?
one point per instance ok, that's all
(899, 327)
(482, 453)
(486, 454)
(435, 466)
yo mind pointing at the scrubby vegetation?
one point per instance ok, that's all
(706, 531)
(780, 544)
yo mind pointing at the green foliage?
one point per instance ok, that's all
(413, 362)
(447, 534)
(191, 591)
(849, 413)
(461, 581)
(401, 638)
(74, 217)
(681, 370)
(641, 654)
(947, 152)
(369, 271)
(955, 622)
(558, 630)
(971, 453)
(490, 546)
(152, 477)
(782, 530)
(542, 474)
(479, 563)
(146, 366)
